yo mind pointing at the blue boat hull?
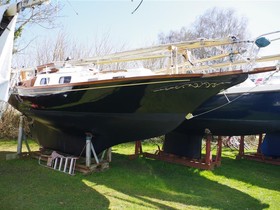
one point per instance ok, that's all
(247, 114)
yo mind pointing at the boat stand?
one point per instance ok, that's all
(54, 161)
(98, 164)
(21, 138)
(257, 156)
(69, 164)
(65, 163)
(207, 162)
(138, 150)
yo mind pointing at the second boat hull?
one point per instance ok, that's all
(247, 113)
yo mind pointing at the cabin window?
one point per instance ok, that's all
(44, 81)
(66, 79)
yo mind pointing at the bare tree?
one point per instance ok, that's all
(61, 47)
(175, 36)
(215, 23)
(220, 23)
(44, 16)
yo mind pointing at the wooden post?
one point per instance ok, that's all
(208, 156)
(138, 148)
(137, 151)
(241, 146)
(219, 150)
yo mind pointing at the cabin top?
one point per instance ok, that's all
(52, 75)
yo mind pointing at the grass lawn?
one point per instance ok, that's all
(139, 184)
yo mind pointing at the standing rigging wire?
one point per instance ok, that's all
(137, 6)
(72, 7)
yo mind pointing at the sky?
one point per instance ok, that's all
(83, 20)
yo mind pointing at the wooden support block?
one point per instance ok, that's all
(205, 163)
(219, 151)
(260, 158)
(138, 150)
(179, 160)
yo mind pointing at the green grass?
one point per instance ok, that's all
(139, 184)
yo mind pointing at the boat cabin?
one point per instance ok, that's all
(76, 74)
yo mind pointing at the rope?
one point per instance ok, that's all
(270, 76)
(83, 150)
(72, 7)
(237, 98)
(218, 107)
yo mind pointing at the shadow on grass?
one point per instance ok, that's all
(165, 186)
(128, 184)
(251, 172)
(26, 185)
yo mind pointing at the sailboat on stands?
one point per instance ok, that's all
(68, 100)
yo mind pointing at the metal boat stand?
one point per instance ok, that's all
(21, 138)
(69, 164)
(206, 162)
(55, 161)
(258, 155)
(64, 163)
(99, 163)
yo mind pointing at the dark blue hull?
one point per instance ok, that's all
(115, 111)
(247, 114)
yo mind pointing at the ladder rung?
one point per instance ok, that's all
(57, 164)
